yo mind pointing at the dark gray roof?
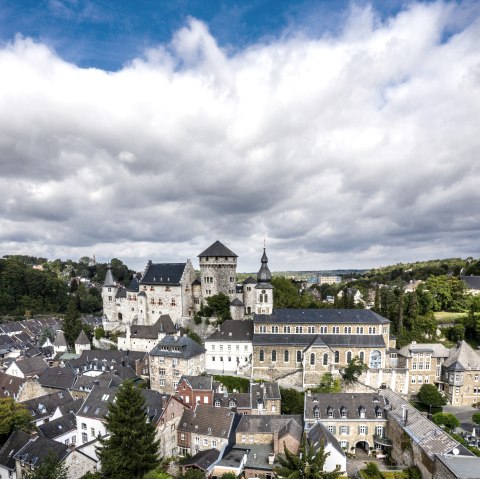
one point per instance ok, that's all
(105, 380)
(38, 448)
(233, 330)
(317, 316)
(60, 339)
(301, 340)
(462, 467)
(121, 293)
(164, 324)
(96, 403)
(318, 434)
(59, 426)
(264, 275)
(208, 420)
(258, 424)
(250, 280)
(203, 459)
(45, 406)
(217, 249)
(109, 281)
(107, 356)
(232, 400)
(350, 403)
(82, 338)
(134, 285)
(236, 302)
(265, 390)
(31, 366)
(14, 443)
(473, 282)
(204, 383)
(58, 377)
(463, 358)
(174, 346)
(196, 282)
(10, 385)
(163, 274)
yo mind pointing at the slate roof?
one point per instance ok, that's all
(218, 249)
(164, 324)
(60, 339)
(258, 424)
(208, 420)
(82, 338)
(177, 347)
(265, 390)
(318, 434)
(203, 459)
(59, 426)
(463, 358)
(60, 377)
(319, 340)
(241, 400)
(462, 467)
(10, 385)
(31, 366)
(134, 285)
(107, 356)
(473, 282)
(45, 406)
(350, 403)
(121, 293)
(105, 380)
(38, 448)
(233, 330)
(197, 383)
(437, 350)
(236, 302)
(14, 443)
(197, 282)
(250, 280)
(323, 316)
(163, 273)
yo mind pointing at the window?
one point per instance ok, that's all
(325, 359)
(379, 431)
(261, 355)
(229, 347)
(84, 426)
(413, 380)
(286, 329)
(349, 356)
(343, 429)
(92, 432)
(285, 356)
(244, 438)
(363, 430)
(214, 443)
(316, 413)
(312, 359)
(182, 436)
(217, 403)
(262, 329)
(330, 413)
(311, 329)
(379, 413)
(274, 356)
(331, 429)
(161, 372)
(84, 437)
(347, 329)
(343, 444)
(299, 329)
(359, 330)
(205, 442)
(299, 356)
(274, 329)
(161, 382)
(336, 329)
(197, 440)
(362, 356)
(336, 359)
(323, 330)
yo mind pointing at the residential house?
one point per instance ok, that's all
(319, 436)
(206, 427)
(10, 386)
(82, 343)
(63, 429)
(57, 378)
(14, 443)
(26, 367)
(356, 420)
(196, 390)
(172, 358)
(472, 284)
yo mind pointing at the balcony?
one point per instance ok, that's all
(382, 441)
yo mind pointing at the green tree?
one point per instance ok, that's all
(476, 417)
(192, 474)
(446, 419)
(328, 384)
(372, 471)
(228, 475)
(50, 468)
(157, 475)
(72, 325)
(292, 401)
(131, 449)
(13, 416)
(218, 306)
(353, 370)
(430, 396)
(308, 464)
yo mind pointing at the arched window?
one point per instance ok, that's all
(274, 329)
(325, 359)
(349, 356)
(265, 298)
(362, 356)
(285, 356)
(299, 356)
(312, 359)
(375, 359)
(286, 329)
(261, 355)
(274, 356)
(337, 357)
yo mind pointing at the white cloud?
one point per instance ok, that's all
(355, 150)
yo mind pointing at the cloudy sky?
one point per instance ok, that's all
(345, 134)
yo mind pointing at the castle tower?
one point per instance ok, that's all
(109, 293)
(264, 288)
(218, 270)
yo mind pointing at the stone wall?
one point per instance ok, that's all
(218, 275)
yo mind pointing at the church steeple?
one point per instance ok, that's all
(264, 275)
(264, 288)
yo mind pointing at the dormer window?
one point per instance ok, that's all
(379, 413)
(362, 412)
(343, 412)
(316, 413)
(217, 403)
(330, 412)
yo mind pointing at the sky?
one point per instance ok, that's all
(343, 134)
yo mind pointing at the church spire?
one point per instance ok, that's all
(264, 275)
(109, 281)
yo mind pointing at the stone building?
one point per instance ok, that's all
(460, 375)
(423, 363)
(172, 358)
(356, 420)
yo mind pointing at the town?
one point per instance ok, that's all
(253, 394)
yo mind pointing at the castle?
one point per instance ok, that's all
(175, 289)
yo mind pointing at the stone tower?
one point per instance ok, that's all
(109, 293)
(218, 270)
(264, 288)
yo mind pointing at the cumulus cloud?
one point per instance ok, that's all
(357, 149)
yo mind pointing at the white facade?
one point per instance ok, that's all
(88, 429)
(228, 357)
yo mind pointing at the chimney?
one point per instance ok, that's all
(271, 458)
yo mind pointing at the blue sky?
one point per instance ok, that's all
(106, 34)
(344, 134)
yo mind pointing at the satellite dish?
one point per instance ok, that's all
(455, 451)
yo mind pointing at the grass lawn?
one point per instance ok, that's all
(447, 317)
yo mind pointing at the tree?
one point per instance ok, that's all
(228, 475)
(50, 468)
(193, 474)
(476, 418)
(131, 449)
(157, 475)
(72, 325)
(430, 396)
(13, 416)
(292, 401)
(218, 306)
(353, 371)
(446, 419)
(328, 384)
(308, 464)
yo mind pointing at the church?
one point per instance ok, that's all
(174, 289)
